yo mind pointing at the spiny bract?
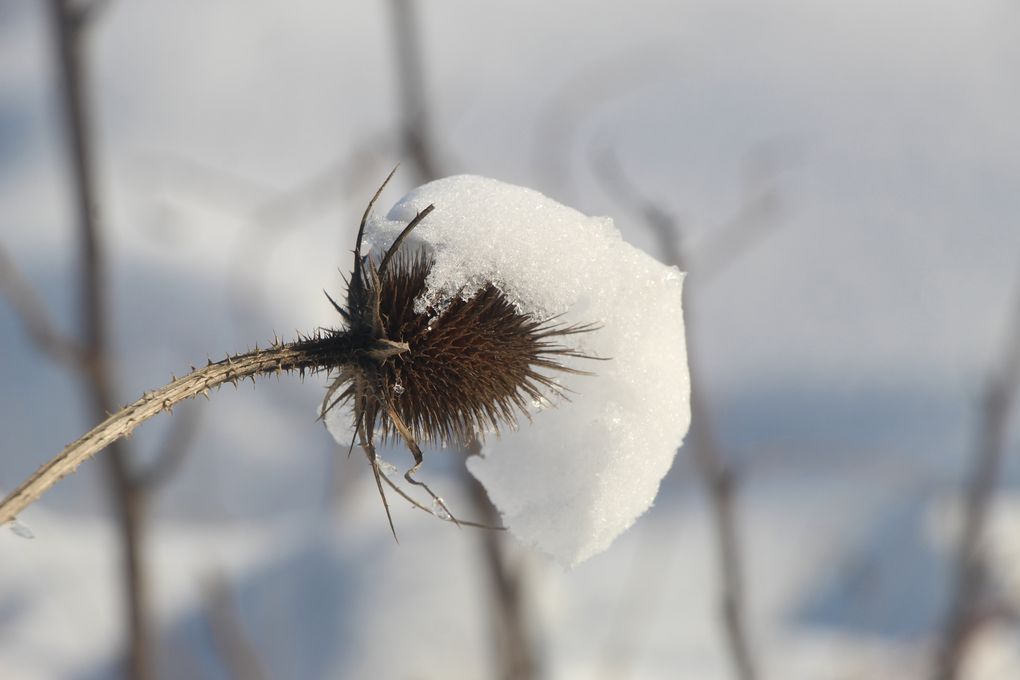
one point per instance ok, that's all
(467, 370)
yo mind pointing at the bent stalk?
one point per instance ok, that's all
(307, 354)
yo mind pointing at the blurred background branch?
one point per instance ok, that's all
(970, 568)
(834, 360)
(415, 126)
(33, 317)
(513, 641)
(717, 475)
(239, 657)
(70, 22)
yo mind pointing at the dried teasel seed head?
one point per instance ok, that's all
(583, 472)
(436, 375)
(468, 369)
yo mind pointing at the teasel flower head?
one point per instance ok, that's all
(487, 302)
(436, 376)
(475, 305)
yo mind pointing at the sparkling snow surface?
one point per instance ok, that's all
(582, 471)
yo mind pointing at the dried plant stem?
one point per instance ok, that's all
(415, 129)
(239, 654)
(989, 450)
(716, 473)
(128, 498)
(514, 643)
(311, 354)
(718, 479)
(41, 331)
(515, 654)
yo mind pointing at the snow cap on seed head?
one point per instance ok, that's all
(583, 470)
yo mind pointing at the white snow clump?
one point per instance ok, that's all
(583, 470)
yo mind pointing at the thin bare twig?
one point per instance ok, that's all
(989, 449)
(415, 123)
(304, 355)
(755, 215)
(516, 659)
(279, 215)
(271, 213)
(239, 656)
(514, 646)
(88, 11)
(69, 26)
(639, 598)
(32, 314)
(172, 451)
(719, 483)
(590, 89)
(717, 476)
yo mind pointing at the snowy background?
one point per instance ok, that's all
(841, 349)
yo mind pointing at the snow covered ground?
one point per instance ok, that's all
(841, 355)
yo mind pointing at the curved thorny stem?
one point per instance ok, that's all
(309, 355)
(305, 355)
(479, 365)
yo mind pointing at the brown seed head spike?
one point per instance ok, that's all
(437, 376)
(468, 370)
(356, 288)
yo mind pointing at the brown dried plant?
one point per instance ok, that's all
(428, 376)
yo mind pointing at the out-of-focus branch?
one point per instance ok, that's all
(989, 449)
(415, 124)
(640, 599)
(277, 215)
(754, 217)
(720, 482)
(514, 646)
(65, 350)
(306, 354)
(270, 213)
(717, 476)
(33, 317)
(172, 451)
(239, 656)
(588, 90)
(268, 207)
(128, 498)
(663, 225)
(86, 11)
(516, 659)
